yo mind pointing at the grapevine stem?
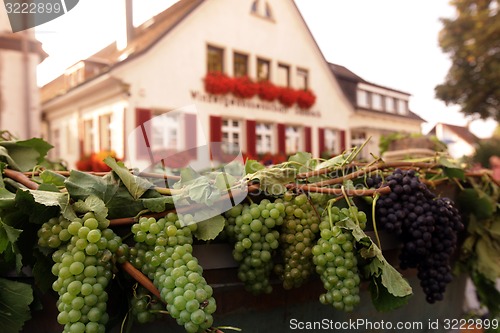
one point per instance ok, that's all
(20, 178)
(167, 191)
(374, 203)
(338, 191)
(141, 278)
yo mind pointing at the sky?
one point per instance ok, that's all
(392, 43)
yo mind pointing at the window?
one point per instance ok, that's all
(265, 139)
(255, 6)
(88, 137)
(263, 69)
(264, 12)
(376, 101)
(231, 136)
(302, 79)
(357, 139)
(240, 64)
(165, 132)
(362, 98)
(283, 78)
(293, 139)
(268, 13)
(402, 107)
(105, 131)
(389, 104)
(56, 137)
(69, 140)
(331, 140)
(215, 59)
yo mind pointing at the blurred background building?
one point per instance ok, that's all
(168, 62)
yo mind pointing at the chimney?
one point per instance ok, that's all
(125, 25)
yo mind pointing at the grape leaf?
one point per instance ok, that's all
(24, 155)
(382, 299)
(42, 271)
(273, 180)
(7, 199)
(157, 205)
(8, 235)
(15, 298)
(488, 258)
(336, 161)
(252, 166)
(92, 204)
(51, 177)
(224, 181)
(38, 212)
(200, 190)
(137, 186)
(379, 266)
(117, 199)
(477, 203)
(209, 229)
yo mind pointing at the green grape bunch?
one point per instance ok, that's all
(83, 265)
(335, 258)
(300, 225)
(164, 252)
(255, 238)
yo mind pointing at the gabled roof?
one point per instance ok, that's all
(349, 81)
(461, 131)
(144, 38)
(342, 73)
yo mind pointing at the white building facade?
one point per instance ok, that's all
(100, 101)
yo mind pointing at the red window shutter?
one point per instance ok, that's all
(342, 141)
(251, 138)
(215, 129)
(81, 146)
(308, 139)
(191, 144)
(321, 140)
(216, 137)
(281, 139)
(143, 148)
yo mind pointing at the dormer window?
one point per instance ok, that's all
(362, 98)
(402, 107)
(262, 9)
(75, 74)
(376, 101)
(389, 104)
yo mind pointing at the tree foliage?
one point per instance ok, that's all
(472, 39)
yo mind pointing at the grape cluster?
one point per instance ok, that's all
(256, 238)
(297, 236)
(144, 307)
(335, 258)
(163, 252)
(426, 225)
(83, 267)
(54, 232)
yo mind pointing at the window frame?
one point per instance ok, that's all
(109, 135)
(365, 100)
(259, 61)
(306, 76)
(236, 65)
(284, 66)
(266, 144)
(299, 136)
(210, 67)
(334, 135)
(231, 129)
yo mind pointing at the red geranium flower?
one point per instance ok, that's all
(218, 83)
(305, 99)
(288, 96)
(244, 87)
(268, 91)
